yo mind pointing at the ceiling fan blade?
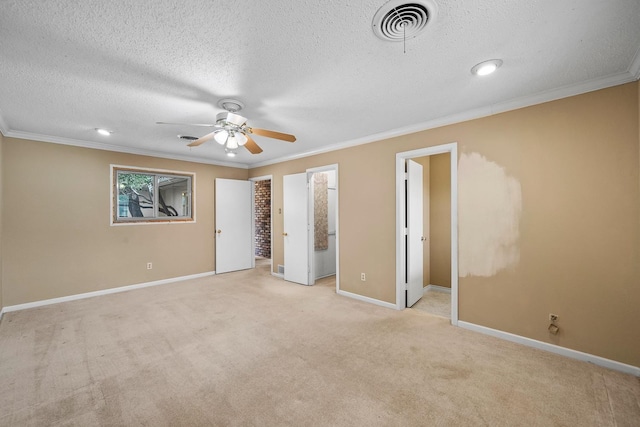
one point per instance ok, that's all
(186, 124)
(202, 140)
(273, 134)
(252, 146)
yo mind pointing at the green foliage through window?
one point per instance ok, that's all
(152, 196)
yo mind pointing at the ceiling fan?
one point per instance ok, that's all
(232, 132)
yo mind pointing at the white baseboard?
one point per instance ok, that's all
(277, 275)
(103, 292)
(436, 288)
(367, 299)
(563, 351)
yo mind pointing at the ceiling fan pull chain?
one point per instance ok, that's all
(404, 37)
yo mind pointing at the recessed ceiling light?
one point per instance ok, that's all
(103, 132)
(486, 67)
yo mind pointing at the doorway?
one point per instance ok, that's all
(405, 273)
(436, 244)
(323, 197)
(311, 227)
(323, 226)
(262, 223)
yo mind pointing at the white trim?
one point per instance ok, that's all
(401, 158)
(563, 92)
(261, 178)
(103, 292)
(436, 288)
(501, 107)
(278, 275)
(118, 148)
(2, 310)
(563, 351)
(366, 299)
(311, 227)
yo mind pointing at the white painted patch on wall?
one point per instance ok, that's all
(489, 210)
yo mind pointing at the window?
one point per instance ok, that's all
(150, 196)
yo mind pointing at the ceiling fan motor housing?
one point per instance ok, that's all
(230, 118)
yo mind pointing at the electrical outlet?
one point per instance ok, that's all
(553, 317)
(363, 277)
(149, 265)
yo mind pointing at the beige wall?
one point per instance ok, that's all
(564, 253)
(57, 240)
(550, 247)
(440, 219)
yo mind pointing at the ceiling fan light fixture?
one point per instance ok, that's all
(486, 67)
(241, 138)
(221, 137)
(232, 142)
(229, 152)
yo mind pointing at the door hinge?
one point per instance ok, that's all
(406, 176)
(406, 231)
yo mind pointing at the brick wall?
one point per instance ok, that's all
(263, 218)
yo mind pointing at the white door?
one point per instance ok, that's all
(414, 233)
(295, 234)
(234, 245)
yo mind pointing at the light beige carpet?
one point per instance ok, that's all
(435, 302)
(247, 348)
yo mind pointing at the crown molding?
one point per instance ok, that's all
(117, 148)
(502, 107)
(631, 75)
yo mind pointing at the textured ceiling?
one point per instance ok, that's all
(311, 68)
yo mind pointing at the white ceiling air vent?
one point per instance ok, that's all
(397, 21)
(231, 105)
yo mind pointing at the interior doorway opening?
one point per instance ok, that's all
(436, 242)
(323, 190)
(311, 232)
(262, 222)
(410, 278)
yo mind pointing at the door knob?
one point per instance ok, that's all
(424, 239)
(218, 231)
(284, 234)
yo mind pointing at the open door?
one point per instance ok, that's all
(415, 259)
(296, 231)
(233, 216)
